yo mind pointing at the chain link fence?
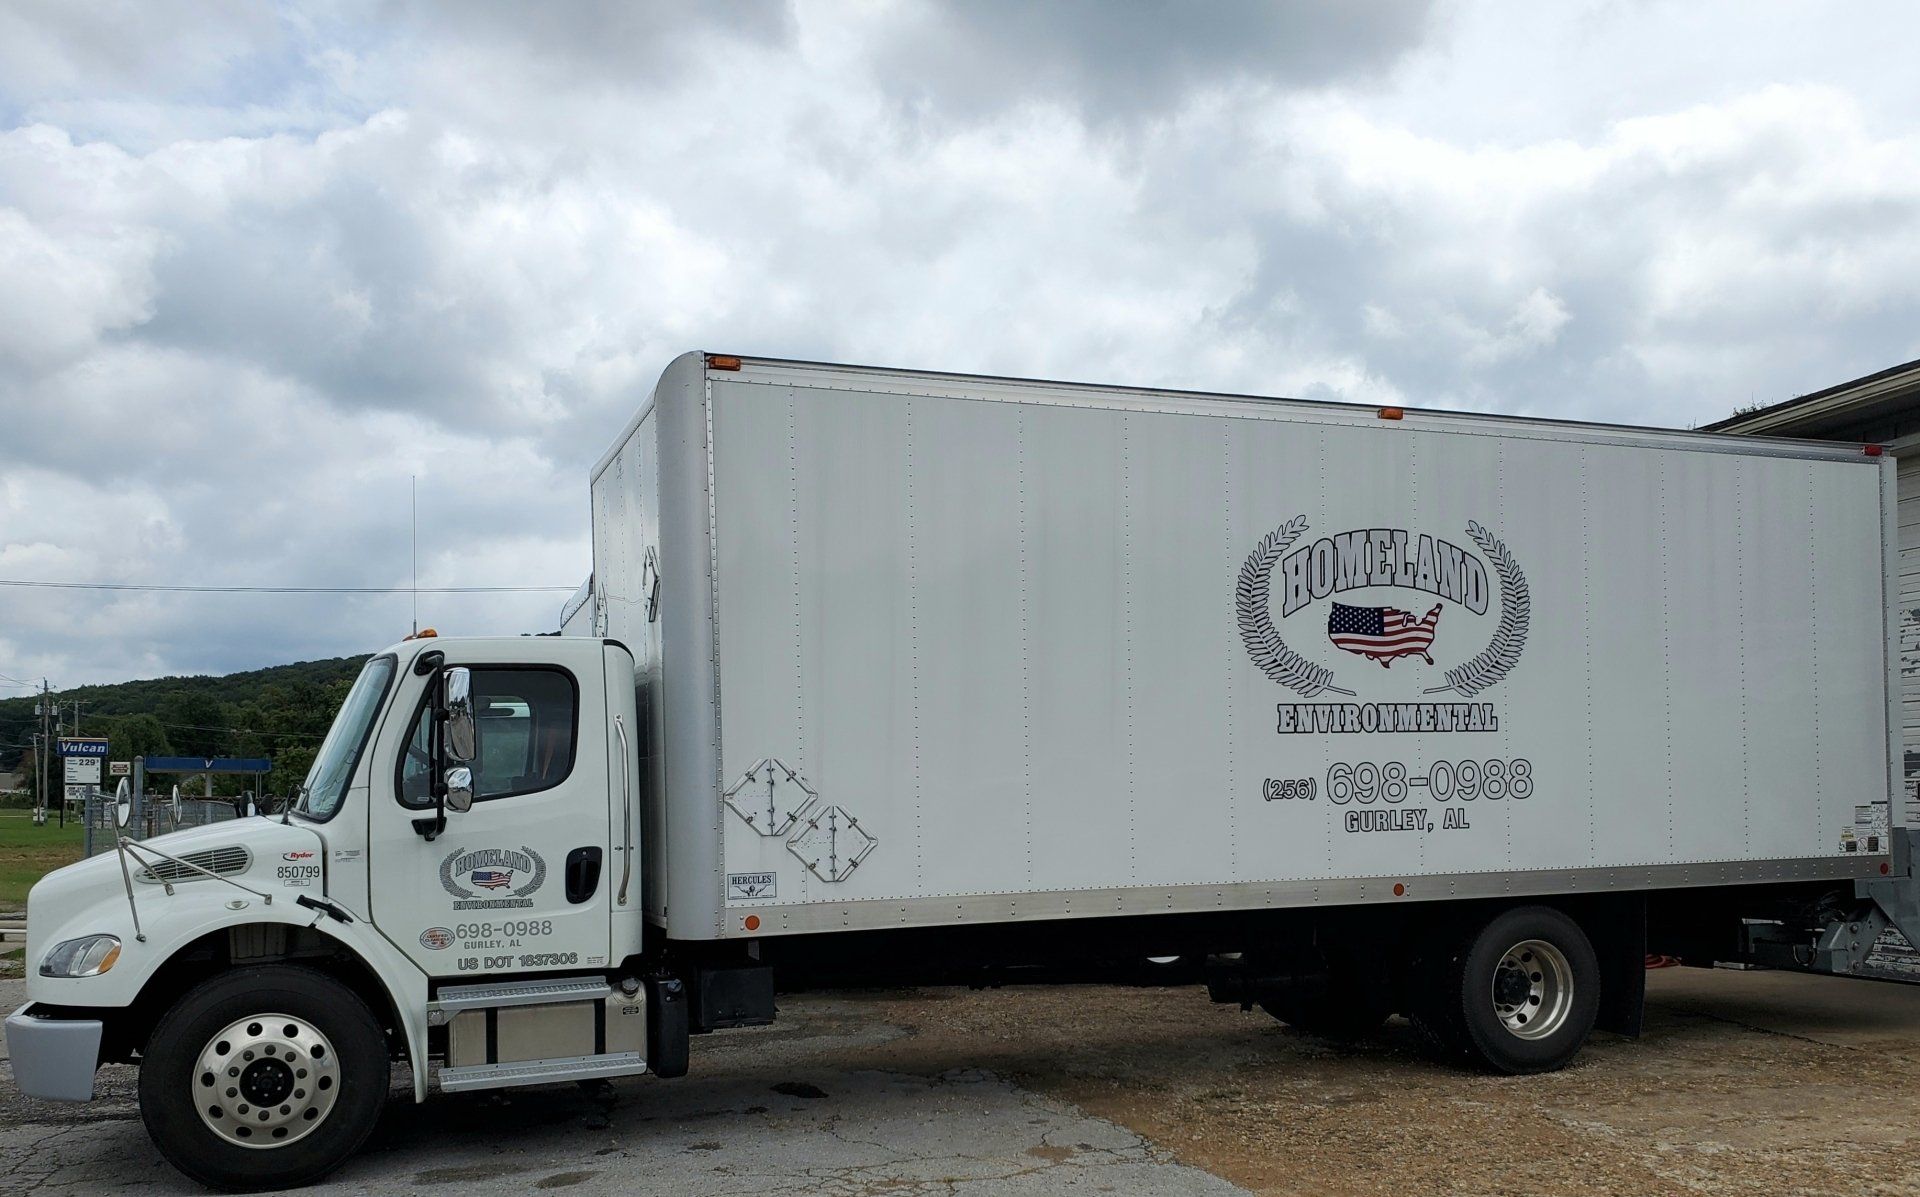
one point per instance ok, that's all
(153, 814)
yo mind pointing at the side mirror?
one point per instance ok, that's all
(459, 788)
(122, 804)
(462, 740)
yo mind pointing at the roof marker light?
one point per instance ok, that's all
(1390, 413)
(722, 361)
(1873, 450)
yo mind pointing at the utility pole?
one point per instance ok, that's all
(40, 757)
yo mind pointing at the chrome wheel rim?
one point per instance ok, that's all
(265, 1081)
(1532, 989)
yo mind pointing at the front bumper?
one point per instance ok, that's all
(53, 1058)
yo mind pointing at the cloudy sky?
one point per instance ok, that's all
(259, 266)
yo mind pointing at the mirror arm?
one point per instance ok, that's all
(432, 829)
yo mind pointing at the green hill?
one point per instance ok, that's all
(280, 712)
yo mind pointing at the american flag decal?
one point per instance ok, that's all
(493, 878)
(1382, 633)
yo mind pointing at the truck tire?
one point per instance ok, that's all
(1518, 995)
(263, 1078)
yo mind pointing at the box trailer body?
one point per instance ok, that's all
(922, 650)
(887, 675)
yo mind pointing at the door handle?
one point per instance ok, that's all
(626, 811)
(583, 874)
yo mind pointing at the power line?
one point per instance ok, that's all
(23, 582)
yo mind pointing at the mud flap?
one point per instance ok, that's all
(666, 1025)
(1618, 929)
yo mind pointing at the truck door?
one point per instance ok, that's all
(520, 882)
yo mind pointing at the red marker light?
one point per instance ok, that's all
(751, 922)
(1399, 890)
(1872, 450)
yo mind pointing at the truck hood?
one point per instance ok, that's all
(91, 896)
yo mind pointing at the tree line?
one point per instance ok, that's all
(280, 713)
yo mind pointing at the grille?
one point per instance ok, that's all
(218, 861)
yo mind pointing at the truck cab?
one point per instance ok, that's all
(457, 883)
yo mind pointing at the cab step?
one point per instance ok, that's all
(452, 999)
(541, 1072)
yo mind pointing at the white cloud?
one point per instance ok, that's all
(247, 290)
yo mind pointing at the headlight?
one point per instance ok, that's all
(88, 956)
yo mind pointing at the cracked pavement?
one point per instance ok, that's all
(1744, 1084)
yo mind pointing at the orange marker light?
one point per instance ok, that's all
(722, 361)
(751, 922)
(1399, 890)
(1391, 413)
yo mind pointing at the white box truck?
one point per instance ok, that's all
(1375, 711)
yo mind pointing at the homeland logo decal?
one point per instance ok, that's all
(1311, 570)
(495, 870)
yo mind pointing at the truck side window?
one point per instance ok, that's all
(529, 724)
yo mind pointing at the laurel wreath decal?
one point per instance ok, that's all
(1262, 639)
(446, 876)
(539, 872)
(1503, 651)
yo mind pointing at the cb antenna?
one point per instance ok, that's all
(414, 481)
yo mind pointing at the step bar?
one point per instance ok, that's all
(452, 999)
(540, 1072)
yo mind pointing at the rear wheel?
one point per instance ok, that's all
(263, 1078)
(1518, 995)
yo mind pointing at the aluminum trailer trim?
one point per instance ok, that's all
(875, 913)
(988, 388)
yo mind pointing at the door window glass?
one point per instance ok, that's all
(528, 724)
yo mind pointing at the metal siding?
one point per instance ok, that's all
(1907, 624)
(1782, 746)
(1002, 634)
(971, 832)
(1850, 644)
(1174, 717)
(691, 717)
(1077, 660)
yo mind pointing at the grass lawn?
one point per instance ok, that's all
(28, 852)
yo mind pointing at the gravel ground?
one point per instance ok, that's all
(1744, 1084)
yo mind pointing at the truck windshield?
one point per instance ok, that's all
(339, 753)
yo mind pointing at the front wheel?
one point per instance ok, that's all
(1518, 996)
(263, 1078)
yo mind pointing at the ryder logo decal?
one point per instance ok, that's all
(511, 875)
(1305, 570)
